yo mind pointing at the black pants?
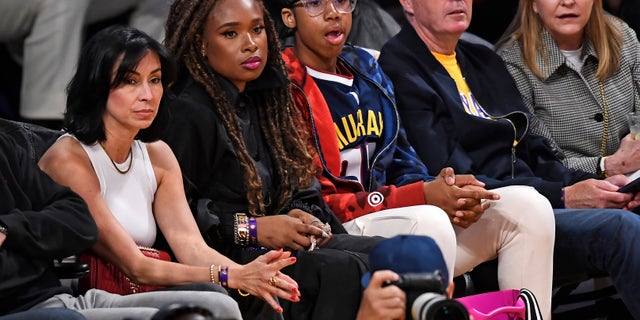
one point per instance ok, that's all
(329, 281)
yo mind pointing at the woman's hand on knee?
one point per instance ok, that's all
(262, 278)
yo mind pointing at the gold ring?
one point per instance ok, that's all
(273, 281)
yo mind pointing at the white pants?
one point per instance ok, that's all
(518, 229)
(47, 35)
(423, 220)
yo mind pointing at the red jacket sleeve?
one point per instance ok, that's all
(348, 200)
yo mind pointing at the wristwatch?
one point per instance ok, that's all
(601, 170)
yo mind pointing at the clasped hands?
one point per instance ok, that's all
(462, 197)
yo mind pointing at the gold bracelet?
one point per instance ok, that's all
(242, 293)
(211, 276)
(241, 228)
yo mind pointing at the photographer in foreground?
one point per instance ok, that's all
(403, 284)
(382, 302)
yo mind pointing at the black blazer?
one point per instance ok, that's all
(443, 134)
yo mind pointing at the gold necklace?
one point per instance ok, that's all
(605, 131)
(115, 165)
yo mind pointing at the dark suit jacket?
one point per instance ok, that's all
(443, 134)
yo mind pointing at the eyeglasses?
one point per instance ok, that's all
(317, 7)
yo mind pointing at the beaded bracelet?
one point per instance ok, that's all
(241, 229)
(253, 231)
(562, 198)
(223, 276)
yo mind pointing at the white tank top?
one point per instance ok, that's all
(129, 196)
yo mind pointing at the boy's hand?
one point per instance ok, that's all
(461, 197)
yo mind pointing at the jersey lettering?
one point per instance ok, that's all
(352, 127)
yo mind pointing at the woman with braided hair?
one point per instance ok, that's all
(240, 143)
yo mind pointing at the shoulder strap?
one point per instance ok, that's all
(532, 309)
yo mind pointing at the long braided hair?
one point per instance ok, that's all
(281, 123)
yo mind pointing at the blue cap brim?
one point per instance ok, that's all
(366, 278)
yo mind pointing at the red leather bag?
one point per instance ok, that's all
(106, 276)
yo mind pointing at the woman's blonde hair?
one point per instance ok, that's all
(527, 29)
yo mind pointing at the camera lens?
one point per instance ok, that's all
(434, 306)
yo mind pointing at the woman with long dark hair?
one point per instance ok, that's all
(132, 183)
(241, 144)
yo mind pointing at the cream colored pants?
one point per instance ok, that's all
(518, 229)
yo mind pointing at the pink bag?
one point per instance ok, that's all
(503, 305)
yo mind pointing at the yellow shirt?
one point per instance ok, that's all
(470, 104)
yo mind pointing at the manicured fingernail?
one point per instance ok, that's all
(279, 310)
(325, 235)
(295, 290)
(293, 259)
(295, 298)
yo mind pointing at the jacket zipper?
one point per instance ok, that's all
(513, 145)
(316, 139)
(382, 150)
(395, 109)
(515, 134)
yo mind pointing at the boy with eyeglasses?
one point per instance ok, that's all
(370, 175)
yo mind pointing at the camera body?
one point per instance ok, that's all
(426, 297)
(424, 282)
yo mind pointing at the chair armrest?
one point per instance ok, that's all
(70, 269)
